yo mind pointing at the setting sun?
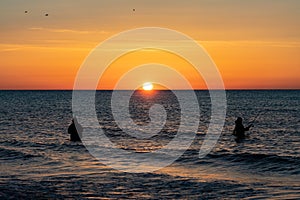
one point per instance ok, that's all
(148, 86)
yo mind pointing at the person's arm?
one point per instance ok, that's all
(234, 131)
(69, 129)
(248, 127)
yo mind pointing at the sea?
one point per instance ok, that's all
(38, 161)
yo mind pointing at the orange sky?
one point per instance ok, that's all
(255, 44)
(133, 59)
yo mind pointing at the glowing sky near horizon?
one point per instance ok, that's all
(255, 44)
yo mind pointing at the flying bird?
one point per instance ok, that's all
(46, 14)
(26, 11)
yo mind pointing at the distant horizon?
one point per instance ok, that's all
(247, 89)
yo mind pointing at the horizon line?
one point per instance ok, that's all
(231, 89)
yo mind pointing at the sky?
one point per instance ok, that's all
(255, 44)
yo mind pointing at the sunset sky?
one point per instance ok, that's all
(255, 44)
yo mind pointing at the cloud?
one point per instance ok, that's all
(10, 47)
(16, 47)
(255, 43)
(54, 30)
(69, 44)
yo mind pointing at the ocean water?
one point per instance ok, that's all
(39, 161)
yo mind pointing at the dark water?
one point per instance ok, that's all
(39, 161)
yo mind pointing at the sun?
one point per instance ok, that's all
(147, 86)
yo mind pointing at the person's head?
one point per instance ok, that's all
(239, 120)
(74, 119)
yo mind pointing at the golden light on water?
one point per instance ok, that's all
(147, 86)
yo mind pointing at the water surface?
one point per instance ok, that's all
(39, 161)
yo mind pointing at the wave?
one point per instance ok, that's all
(10, 154)
(260, 162)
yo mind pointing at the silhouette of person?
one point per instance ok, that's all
(239, 129)
(75, 130)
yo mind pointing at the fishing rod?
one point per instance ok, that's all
(257, 116)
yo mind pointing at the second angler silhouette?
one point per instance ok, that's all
(239, 129)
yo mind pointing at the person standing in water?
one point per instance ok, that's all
(75, 130)
(239, 129)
